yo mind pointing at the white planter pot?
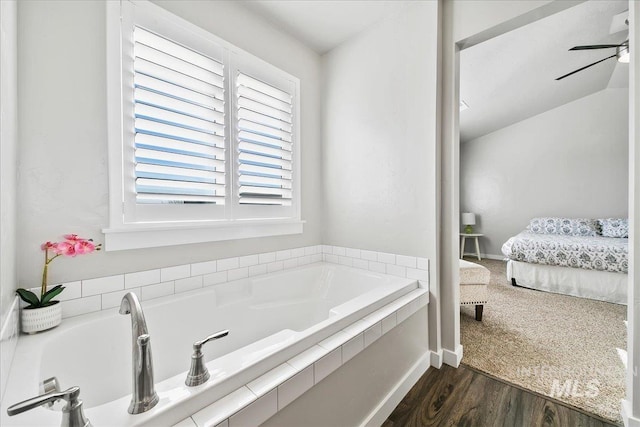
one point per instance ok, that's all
(40, 319)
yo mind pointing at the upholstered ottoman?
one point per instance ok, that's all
(474, 281)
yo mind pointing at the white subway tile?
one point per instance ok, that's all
(275, 266)
(361, 263)
(386, 258)
(312, 250)
(353, 253)
(378, 267)
(334, 259)
(220, 410)
(188, 284)
(72, 290)
(407, 310)
(200, 268)
(256, 412)
(422, 263)
(355, 328)
(304, 260)
(156, 291)
(113, 299)
(249, 260)
(352, 347)
(102, 285)
(267, 257)
(297, 252)
(228, 263)
(413, 273)
(283, 255)
(338, 250)
(406, 261)
(214, 278)
(372, 334)
(327, 249)
(307, 357)
(142, 278)
(271, 379)
(388, 323)
(327, 364)
(345, 260)
(187, 422)
(423, 284)
(290, 263)
(238, 273)
(424, 299)
(172, 273)
(256, 270)
(294, 387)
(335, 340)
(369, 255)
(78, 306)
(396, 270)
(316, 258)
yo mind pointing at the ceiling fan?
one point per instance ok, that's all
(622, 53)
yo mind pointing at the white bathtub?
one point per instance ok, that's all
(271, 319)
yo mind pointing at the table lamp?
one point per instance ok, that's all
(468, 220)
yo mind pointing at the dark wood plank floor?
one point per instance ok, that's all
(463, 397)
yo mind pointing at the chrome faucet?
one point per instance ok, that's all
(72, 414)
(198, 373)
(144, 396)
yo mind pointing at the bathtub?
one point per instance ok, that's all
(271, 319)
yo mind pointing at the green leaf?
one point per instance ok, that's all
(51, 293)
(28, 297)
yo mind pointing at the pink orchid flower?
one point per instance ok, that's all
(64, 248)
(73, 237)
(82, 247)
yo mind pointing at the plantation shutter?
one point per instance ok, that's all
(264, 119)
(179, 100)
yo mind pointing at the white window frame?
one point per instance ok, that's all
(230, 221)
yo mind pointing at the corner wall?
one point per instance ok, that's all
(571, 161)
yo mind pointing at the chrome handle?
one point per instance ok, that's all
(198, 373)
(197, 346)
(72, 414)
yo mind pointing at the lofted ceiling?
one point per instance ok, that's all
(503, 80)
(512, 77)
(320, 24)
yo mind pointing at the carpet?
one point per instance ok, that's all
(559, 346)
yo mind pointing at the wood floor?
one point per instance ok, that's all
(463, 397)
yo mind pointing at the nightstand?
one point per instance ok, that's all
(463, 239)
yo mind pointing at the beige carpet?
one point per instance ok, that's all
(556, 345)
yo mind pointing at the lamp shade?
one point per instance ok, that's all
(468, 218)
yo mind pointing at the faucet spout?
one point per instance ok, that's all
(144, 396)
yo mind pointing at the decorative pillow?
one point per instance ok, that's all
(565, 226)
(614, 227)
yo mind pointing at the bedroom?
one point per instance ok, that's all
(563, 153)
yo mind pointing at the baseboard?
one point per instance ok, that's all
(487, 256)
(379, 415)
(452, 358)
(629, 421)
(436, 359)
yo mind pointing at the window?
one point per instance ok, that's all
(203, 137)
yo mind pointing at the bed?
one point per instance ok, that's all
(580, 257)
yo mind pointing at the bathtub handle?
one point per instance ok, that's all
(198, 373)
(72, 414)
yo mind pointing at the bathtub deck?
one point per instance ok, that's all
(462, 396)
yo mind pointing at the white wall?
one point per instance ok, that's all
(571, 161)
(8, 154)
(63, 183)
(379, 136)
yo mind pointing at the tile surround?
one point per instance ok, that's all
(271, 392)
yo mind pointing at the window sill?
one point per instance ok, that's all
(140, 236)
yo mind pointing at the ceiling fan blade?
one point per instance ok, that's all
(597, 46)
(585, 67)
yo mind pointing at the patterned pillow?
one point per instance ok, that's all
(564, 226)
(614, 227)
